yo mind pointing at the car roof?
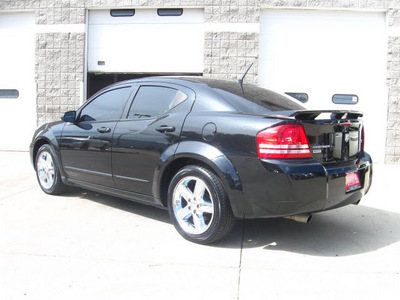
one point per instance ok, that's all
(184, 80)
(212, 88)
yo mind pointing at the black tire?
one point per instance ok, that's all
(48, 172)
(201, 219)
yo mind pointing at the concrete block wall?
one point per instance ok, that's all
(60, 56)
(393, 80)
(229, 54)
(59, 72)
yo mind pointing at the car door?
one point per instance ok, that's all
(152, 123)
(86, 143)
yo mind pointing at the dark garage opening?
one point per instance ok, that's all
(95, 81)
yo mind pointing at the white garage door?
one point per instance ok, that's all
(327, 53)
(17, 85)
(146, 41)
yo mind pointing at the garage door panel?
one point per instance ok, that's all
(146, 16)
(146, 42)
(323, 53)
(17, 62)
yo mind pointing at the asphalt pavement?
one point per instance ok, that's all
(85, 245)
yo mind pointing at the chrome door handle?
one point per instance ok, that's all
(165, 128)
(104, 129)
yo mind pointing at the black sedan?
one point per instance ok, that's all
(209, 151)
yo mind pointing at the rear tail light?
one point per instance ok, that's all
(284, 141)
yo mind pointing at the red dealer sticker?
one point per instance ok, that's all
(352, 182)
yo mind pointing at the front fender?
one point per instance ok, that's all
(47, 134)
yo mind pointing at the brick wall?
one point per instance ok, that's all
(60, 56)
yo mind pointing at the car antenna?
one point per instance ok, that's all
(240, 80)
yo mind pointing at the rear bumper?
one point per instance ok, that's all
(276, 188)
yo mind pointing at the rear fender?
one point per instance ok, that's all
(212, 157)
(205, 153)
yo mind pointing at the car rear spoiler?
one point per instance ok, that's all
(313, 114)
(334, 114)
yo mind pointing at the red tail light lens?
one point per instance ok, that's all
(284, 141)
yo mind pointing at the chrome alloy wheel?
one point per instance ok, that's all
(193, 205)
(45, 170)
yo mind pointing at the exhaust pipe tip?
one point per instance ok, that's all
(300, 218)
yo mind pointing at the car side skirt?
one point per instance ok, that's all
(144, 199)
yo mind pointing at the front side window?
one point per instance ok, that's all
(152, 101)
(107, 106)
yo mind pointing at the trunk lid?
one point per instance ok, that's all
(334, 136)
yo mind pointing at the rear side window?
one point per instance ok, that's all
(302, 97)
(152, 101)
(252, 99)
(107, 106)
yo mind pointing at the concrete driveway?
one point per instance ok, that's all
(85, 245)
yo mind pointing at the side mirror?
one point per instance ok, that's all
(69, 116)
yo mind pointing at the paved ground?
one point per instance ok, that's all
(89, 246)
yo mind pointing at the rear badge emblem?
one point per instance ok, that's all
(318, 149)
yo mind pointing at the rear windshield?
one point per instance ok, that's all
(252, 99)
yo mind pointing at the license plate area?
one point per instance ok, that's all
(352, 182)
